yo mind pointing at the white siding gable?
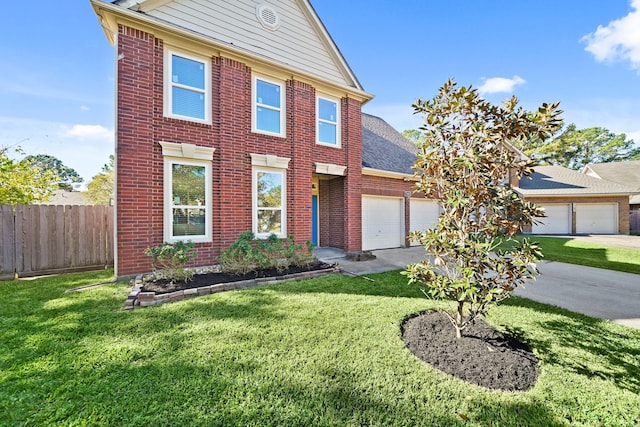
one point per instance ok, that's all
(299, 41)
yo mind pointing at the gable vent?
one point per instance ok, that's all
(268, 17)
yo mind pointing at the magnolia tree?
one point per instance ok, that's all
(465, 162)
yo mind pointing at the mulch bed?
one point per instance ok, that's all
(483, 356)
(164, 286)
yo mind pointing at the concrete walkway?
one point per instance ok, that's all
(596, 292)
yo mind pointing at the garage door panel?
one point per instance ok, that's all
(382, 222)
(423, 215)
(557, 221)
(596, 218)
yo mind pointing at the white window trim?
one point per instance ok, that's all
(186, 154)
(254, 210)
(337, 123)
(168, 84)
(255, 105)
(330, 169)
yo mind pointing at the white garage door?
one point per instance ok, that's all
(382, 222)
(557, 221)
(423, 214)
(597, 218)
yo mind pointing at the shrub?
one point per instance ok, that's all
(169, 260)
(299, 255)
(239, 257)
(465, 162)
(248, 254)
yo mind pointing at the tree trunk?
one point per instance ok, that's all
(459, 317)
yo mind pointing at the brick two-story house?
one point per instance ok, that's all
(244, 115)
(231, 116)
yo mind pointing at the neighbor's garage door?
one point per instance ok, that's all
(382, 222)
(423, 214)
(597, 218)
(557, 221)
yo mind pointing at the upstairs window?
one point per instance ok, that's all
(187, 94)
(268, 107)
(328, 121)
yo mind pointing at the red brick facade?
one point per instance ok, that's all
(141, 125)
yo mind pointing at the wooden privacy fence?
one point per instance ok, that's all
(46, 239)
(634, 222)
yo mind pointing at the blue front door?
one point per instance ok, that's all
(314, 221)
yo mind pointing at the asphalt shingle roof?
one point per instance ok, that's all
(560, 181)
(625, 173)
(385, 148)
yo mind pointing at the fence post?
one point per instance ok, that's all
(7, 243)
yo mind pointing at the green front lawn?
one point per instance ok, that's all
(589, 254)
(319, 352)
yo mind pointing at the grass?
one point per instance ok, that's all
(573, 251)
(321, 352)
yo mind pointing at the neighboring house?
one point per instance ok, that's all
(576, 203)
(64, 197)
(231, 116)
(625, 173)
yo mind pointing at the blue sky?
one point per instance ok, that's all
(57, 80)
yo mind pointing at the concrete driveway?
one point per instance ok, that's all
(621, 240)
(604, 294)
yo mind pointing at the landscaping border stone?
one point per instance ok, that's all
(138, 298)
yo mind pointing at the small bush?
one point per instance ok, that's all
(248, 254)
(299, 255)
(169, 260)
(238, 258)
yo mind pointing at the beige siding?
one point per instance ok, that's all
(296, 43)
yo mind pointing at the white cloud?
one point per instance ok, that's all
(84, 108)
(619, 40)
(500, 84)
(84, 132)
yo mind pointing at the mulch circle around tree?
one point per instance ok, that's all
(164, 286)
(483, 356)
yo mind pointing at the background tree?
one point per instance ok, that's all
(464, 163)
(21, 183)
(634, 154)
(66, 176)
(100, 188)
(574, 148)
(414, 135)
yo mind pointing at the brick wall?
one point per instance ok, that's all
(352, 146)
(142, 125)
(379, 186)
(136, 192)
(301, 132)
(332, 212)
